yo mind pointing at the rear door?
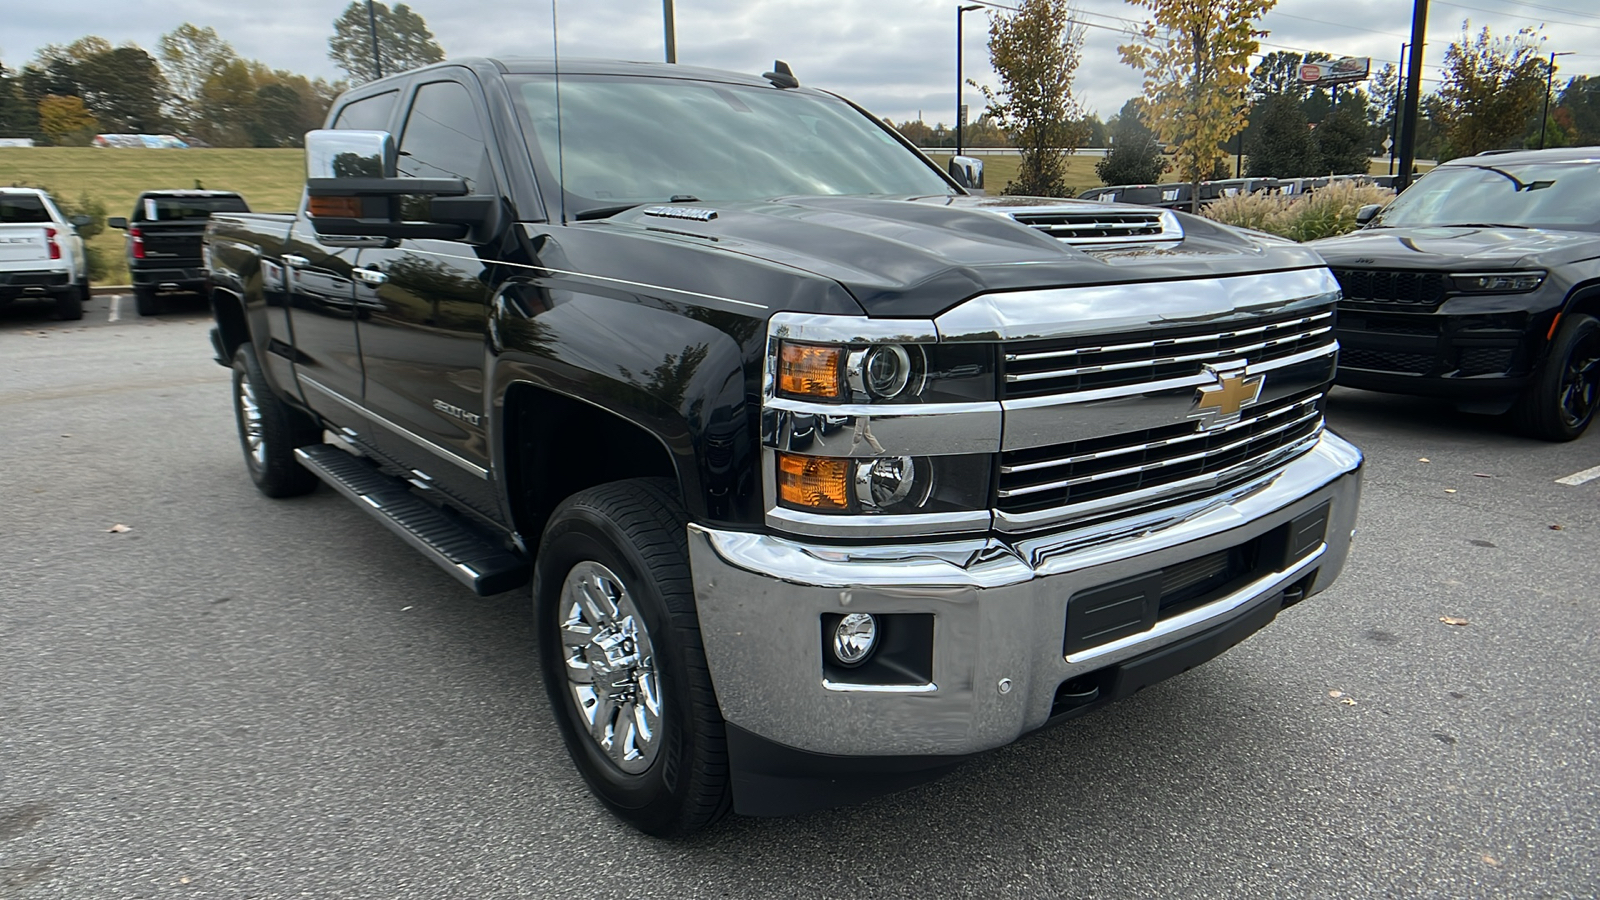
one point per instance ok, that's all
(425, 308)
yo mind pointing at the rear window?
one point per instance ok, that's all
(174, 209)
(22, 209)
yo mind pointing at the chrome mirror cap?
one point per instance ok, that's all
(967, 171)
(349, 154)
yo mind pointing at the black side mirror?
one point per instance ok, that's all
(118, 222)
(80, 221)
(1367, 213)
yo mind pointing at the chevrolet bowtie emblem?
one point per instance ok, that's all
(1220, 403)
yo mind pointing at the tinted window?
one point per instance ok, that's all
(442, 137)
(640, 140)
(368, 114)
(22, 208)
(171, 209)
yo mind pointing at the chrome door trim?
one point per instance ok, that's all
(417, 439)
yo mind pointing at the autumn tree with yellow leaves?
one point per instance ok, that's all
(1195, 55)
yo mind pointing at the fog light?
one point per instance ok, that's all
(854, 638)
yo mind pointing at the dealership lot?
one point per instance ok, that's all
(248, 698)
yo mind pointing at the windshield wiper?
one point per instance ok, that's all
(604, 212)
(1481, 225)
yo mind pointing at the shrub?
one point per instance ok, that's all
(1324, 213)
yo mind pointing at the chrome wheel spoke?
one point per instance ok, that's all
(610, 667)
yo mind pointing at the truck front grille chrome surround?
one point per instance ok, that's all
(1035, 368)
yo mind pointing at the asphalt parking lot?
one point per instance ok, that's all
(240, 697)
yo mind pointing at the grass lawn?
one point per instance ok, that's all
(270, 180)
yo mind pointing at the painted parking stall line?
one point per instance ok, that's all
(1577, 478)
(116, 307)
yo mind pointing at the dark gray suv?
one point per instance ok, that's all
(1481, 284)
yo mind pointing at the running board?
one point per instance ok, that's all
(457, 549)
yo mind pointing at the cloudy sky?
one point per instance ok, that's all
(896, 57)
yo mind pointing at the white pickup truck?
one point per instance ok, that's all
(41, 254)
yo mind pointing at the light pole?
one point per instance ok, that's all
(1394, 113)
(671, 30)
(1408, 135)
(1549, 76)
(960, 11)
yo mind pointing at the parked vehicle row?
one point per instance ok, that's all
(1181, 196)
(164, 241)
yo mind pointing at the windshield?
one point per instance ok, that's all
(1545, 195)
(172, 209)
(626, 141)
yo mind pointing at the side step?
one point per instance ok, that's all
(474, 561)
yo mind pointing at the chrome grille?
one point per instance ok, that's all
(1177, 457)
(1103, 226)
(1399, 288)
(1038, 368)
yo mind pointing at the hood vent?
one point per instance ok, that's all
(1094, 226)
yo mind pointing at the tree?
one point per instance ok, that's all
(1135, 157)
(66, 121)
(1035, 51)
(404, 41)
(125, 90)
(1282, 146)
(1193, 54)
(1581, 100)
(18, 117)
(190, 56)
(1492, 87)
(1341, 143)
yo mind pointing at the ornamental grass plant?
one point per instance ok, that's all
(1326, 212)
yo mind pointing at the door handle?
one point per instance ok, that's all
(295, 262)
(369, 276)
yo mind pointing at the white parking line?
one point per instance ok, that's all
(1580, 477)
(116, 307)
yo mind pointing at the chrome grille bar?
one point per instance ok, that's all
(1309, 402)
(1159, 464)
(1166, 360)
(1169, 342)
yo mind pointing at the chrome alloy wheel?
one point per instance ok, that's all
(250, 421)
(610, 666)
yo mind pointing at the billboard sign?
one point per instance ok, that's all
(1339, 71)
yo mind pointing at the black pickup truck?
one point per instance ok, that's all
(826, 471)
(1481, 285)
(164, 237)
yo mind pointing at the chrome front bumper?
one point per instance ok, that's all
(999, 610)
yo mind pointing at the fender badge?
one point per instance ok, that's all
(681, 212)
(1221, 403)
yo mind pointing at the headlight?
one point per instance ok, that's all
(887, 485)
(885, 372)
(1497, 282)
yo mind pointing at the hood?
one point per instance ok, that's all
(916, 257)
(1455, 247)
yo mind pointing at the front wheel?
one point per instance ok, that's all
(619, 646)
(270, 430)
(1566, 390)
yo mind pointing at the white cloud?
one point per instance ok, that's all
(896, 57)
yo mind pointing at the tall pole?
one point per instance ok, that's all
(671, 30)
(1549, 79)
(1408, 137)
(960, 12)
(1394, 111)
(372, 27)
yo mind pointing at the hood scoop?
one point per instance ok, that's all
(1103, 226)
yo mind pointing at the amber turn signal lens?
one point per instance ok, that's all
(335, 207)
(809, 370)
(813, 482)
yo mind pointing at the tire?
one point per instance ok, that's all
(625, 544)
(270, 430)
(69, 306)
(146, 301)
(1566, 390)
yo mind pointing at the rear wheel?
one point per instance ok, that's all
(1566, 391)
(146, 301)
(69, 306)
(622, 659)
(270, 430)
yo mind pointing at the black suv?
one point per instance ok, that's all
(1481, 284)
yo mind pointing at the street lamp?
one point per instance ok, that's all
(1549, 76)
(670, 27)
(960, 11)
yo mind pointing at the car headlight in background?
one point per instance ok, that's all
(1497, 282)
